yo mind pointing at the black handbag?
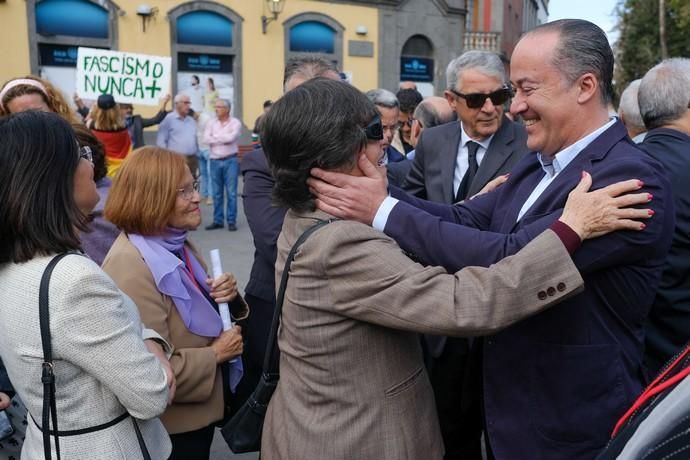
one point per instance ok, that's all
(243, 431)
(48, 379)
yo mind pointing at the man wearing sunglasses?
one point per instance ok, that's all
(457, 160)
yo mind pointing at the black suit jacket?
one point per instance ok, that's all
(397, 172)
(265, 221)
(433, 168)
(668, 327)
(138, 125)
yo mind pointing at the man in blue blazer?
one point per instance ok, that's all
(555, 384)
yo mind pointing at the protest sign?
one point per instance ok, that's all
(129, 77)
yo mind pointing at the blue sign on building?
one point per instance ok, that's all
(205, 63)
(57, 55)
(416, 69)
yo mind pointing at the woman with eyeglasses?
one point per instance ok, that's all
(352, 380)
(106, 375)
(154, 200)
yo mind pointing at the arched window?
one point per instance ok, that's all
(206, 54)
(416, 60)
(418, 45)
(75, 18)
(314, 33)
(204, 28)
(57, 28)
(312, 37)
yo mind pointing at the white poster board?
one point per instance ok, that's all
(130, 77)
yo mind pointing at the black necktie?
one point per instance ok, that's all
(473, 166)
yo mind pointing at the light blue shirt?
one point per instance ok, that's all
(558, 164)
(178, 134)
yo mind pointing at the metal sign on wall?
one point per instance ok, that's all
(416, 69)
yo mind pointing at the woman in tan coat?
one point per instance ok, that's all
(155, 202)
(352, 380)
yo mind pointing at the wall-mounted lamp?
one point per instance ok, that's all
(147, 13)
(275, 7)
(361, 30)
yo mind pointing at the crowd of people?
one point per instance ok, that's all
(499, 273)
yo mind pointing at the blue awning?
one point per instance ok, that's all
(204, 28)
(76, 18)
(312, 37)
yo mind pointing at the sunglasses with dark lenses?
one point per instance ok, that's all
(477, 100)
(374, 130)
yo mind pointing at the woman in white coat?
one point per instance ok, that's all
(103, 368)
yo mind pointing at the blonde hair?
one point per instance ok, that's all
(144, 191)
(107, 119)
(52, 96)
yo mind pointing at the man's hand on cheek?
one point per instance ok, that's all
(350, 197)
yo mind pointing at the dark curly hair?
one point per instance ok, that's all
(318, 124)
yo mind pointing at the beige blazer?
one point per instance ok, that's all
(352, 382)
(199, 396)
(102, 366)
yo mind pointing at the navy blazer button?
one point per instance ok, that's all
(541, 295)
(551, 291)
(560, 287)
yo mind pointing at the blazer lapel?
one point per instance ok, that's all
(498, 152)
(449, 159)
(556, 194)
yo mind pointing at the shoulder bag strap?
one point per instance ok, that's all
(270, 367)
(47, 374)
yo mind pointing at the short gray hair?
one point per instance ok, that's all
(487, 63)
(665, 92)
(227, 103)
(429, 116)
(384, 98)
(629, 108)
(179, 96)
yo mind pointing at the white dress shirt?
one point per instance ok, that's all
(558, 164)
(462, 158)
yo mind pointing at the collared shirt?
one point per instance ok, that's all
(223, 137)
(562, 159)
(558, 164)
(461, 162)
(178, 133)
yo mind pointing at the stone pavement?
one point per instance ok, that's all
(237, 255)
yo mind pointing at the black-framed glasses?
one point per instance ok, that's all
(188, 192)
(374, 130)
(477, 100)
(86, 153)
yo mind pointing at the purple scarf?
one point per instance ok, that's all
(172, 279)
